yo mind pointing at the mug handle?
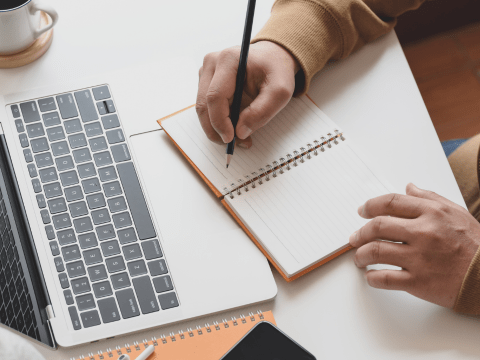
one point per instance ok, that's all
(50, 11)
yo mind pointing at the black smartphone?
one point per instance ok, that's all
(266, 342)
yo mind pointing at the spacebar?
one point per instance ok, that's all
(136, 201)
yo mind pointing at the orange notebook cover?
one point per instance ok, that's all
(210, 342)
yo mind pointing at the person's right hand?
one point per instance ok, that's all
(269, 85)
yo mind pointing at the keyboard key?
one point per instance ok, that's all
(51, 119)
(39, 145)
(78, 209)
(102, 107)
(54, 248)
(96, 201)
(73, 193)
(136, 268)
(146, 296)
(64, 163)
(69, 178)
(92, 256)
(93, 129)
(102, 289)
(68, 297)
(120, 152)
(41, 201)
(55, 133)
(162, 284)
(91, 185)
(86, 170)
(50, 232)
(60, 148)
(101, 93)
(45, 217)
(126, 236)
(168, 300)
(66, 237)
(120, 280)
(23, 140)
(27, 153)
(30, 111)
(15, 111)
(105, 232)
(74, 317)
(107, 173)
(71, 253)
(47, 175)
(151, 249)
(98, 143)
(19, 125)
(112, 189)
(44, 159)
(86, 105)
(117, 204)
(51, 190)
(115, 136)
(115, 264)
(102, 158)
(100, 216)
(61, 221)
(110, 248)
(122, 220)
(59, 264)
(64, 283)
(131, 252)
(73, 126)
(85, 302)
(77, 140)
(87, 240)
(127, 302)
(108, 310)
(35, 130)
(80, 286)
(110, 106)
(67, 107)
(96, 273)
(110, 121)
(47, 104)
(136, 201)
(57, 205)
(90, 318)
(82, 155)
(32, 170)
(83, 224)
(157, 267)
(75, 269)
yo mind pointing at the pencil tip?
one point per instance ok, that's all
(227, 166)
(229, 159)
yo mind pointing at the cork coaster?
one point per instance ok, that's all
(35, 51)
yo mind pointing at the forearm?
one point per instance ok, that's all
(316, 31)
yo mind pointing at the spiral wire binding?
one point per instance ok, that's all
(291, 160)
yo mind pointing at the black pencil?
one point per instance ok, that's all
(242, 70)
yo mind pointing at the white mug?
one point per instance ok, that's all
(20, 24)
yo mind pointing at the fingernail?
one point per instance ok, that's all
(224, 138)
(243, 145)
(243, 132)
(361, 210)
(353, 239)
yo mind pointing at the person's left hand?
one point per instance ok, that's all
(432, 239)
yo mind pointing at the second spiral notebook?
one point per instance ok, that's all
(295, 192)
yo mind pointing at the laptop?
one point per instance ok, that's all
(104, 227)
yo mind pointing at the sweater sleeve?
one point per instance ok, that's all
(316, 31)
(468, 299)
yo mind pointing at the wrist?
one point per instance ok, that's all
(282, 54)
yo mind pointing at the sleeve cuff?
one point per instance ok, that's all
(468, 300)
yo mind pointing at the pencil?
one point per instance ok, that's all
(240, 81)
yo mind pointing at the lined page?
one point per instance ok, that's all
(307, 213)
(298, 124)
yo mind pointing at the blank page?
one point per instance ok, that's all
(298, 124)
(308, 212)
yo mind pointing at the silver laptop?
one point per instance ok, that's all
(105, 229)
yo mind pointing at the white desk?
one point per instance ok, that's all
(372, 95)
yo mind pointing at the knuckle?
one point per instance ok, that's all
(228, 55)
(375, 251)
(209, 58)
(200, 108)
(392, 200)
(284, 91)
(212, 95)
(200, 71)
(384, 280)
(377, 225)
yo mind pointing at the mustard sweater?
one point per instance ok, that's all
(316, 31)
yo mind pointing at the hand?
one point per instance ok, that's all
(432, 239)
(269, 85)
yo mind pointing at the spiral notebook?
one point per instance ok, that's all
(210, 342)
(295, 192)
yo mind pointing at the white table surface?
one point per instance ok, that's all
(372, 96)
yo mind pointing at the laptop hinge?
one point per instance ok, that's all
(50, 312)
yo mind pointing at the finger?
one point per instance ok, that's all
(389, 279)
(382, 228)
(244, 143)
(413, 190)
(270, 100)
(397, 205)
(382, 252)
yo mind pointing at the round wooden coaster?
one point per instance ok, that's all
(35, 51)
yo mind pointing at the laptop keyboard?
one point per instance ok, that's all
(101, 235)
